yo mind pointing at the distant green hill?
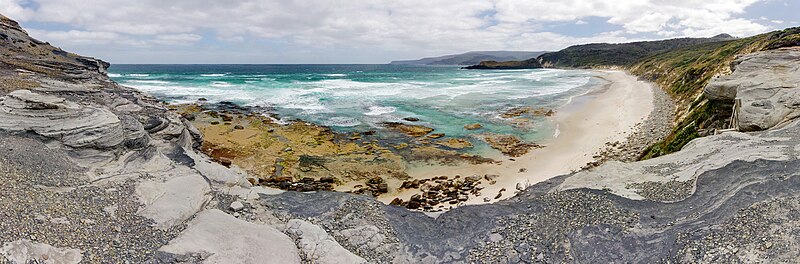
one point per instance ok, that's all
(624, 54)
(473, 57)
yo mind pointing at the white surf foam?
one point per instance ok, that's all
(214, 75)
(221, 84)
(380, 110)
(335, 75)
(341, 121)
(149, 82)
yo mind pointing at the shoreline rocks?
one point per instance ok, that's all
(441, 192)
(411, 130)
(509, 145)
(473, 126)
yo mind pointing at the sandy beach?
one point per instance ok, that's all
(607, 113)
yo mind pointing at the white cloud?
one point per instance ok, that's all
(14, 9)
(177, 39)
(76, 36)
(417, 26)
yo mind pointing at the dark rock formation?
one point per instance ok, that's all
(473, 57)
(506, 65)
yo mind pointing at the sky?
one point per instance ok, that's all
(372, 31)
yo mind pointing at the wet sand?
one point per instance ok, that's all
(607, 113)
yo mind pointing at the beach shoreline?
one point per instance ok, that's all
(587, 126)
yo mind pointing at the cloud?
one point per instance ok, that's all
(76, 36)
(14, 9)
(177, 39)
(421, 27)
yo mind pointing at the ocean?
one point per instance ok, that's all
(361, 97)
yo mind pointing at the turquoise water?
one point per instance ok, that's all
(361, 97)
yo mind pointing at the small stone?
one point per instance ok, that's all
(436, 135)
(225, 161)
(396, 201)
(383, 188)
(327, 179)
(237, 206)
(240, 127)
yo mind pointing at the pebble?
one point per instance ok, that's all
(237, 206)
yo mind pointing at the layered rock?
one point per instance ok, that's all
(74, 125)
(765, 87)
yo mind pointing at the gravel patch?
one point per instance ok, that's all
(670, 191)
(767, 232)
(543, 236)
(100, 221)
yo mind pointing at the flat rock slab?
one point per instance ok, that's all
(26, 251)
(317, 246)
(218, 237)
(173, 201)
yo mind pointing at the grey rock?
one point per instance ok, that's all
(767, 86)
(237, 206)
(226, 239)
(317, 246)
(53, 117)
(26, 251)
(170, 202)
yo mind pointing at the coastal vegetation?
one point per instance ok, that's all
(622, 54)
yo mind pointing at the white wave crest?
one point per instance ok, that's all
(379, 110)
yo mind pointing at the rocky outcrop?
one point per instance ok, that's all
(506, 65)
(765, 87)
(56, 118)
(508, 144)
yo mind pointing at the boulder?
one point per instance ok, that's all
(226, 239)
(170, 202)
(317, 246)
(766, 87)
